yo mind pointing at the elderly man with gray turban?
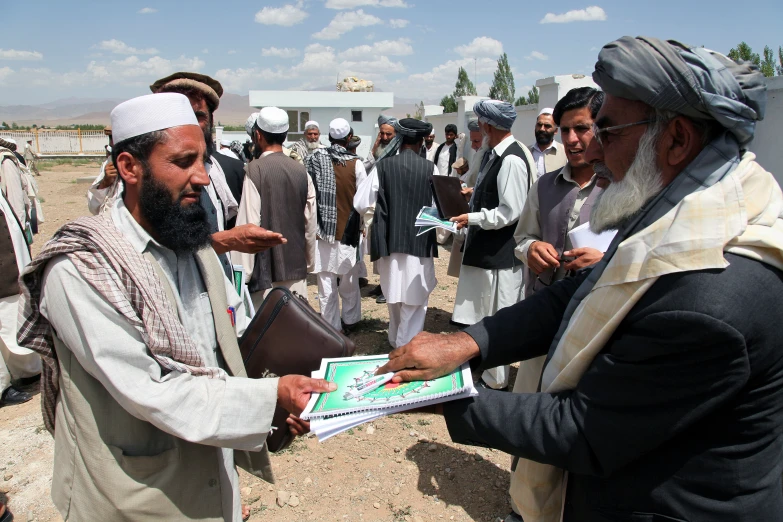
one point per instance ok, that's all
(662, 391)
(491, 277)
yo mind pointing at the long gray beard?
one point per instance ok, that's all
(312, 145)
(622, 199)
(381, 149)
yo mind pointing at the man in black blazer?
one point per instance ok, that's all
(679, 414)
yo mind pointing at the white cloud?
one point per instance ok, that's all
(345, 22)
(537, 56)
(118, 47)
(13, 54)
(589, 14)
(286, 16)
(365, 68)
(481, 46)
(440, 80)
(401, 47)
(285, 52)
(352, 4)
(232, 51)
(147, 10)
(205, 51)
(5, 72)
(398, 23)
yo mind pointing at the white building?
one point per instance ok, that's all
(361, 109)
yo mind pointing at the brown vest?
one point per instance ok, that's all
(345, 181)
(9, 271)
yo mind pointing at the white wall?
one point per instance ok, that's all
(768, 144)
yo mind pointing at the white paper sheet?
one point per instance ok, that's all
(583, 237)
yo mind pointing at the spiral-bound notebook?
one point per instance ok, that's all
(347, 372)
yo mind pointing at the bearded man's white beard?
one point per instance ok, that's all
(312, 145)
(622, 199)
(382, 148)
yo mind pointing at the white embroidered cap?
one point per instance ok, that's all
(272, 120)
(225, 142)
(150, 113)
(312, 123)
(339, 128)
(546, 110)
(251, 120)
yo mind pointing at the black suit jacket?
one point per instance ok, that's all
(235, 177)
(678, 418)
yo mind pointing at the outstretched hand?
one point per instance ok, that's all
(293, 391)
(248, 239)
(429, 356)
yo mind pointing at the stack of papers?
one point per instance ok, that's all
(429, 218)
(582, 236)
(335, 412)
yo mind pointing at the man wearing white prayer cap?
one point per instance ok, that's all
(548, 153)
(491, 277)
(337, 175)
(277, 195)
(225, 149)
(310, 142)
(143, 383)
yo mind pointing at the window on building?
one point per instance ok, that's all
(356, 115)
(296, 124)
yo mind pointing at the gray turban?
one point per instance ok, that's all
(413, 128)
(499, 114)
(473, 126)
(694, 82)
(386, 120)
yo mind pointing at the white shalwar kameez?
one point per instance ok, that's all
(16, 361)
(333, 261)
(407, 281)
(480, 292)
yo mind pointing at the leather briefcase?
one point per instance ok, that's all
(447, 192)
(288, 337)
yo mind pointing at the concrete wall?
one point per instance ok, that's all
(768, 144)
(60, 142)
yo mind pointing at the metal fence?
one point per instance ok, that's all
(47, 141)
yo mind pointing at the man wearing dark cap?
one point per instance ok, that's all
(662, 394)
(217, 198)
(399, 187)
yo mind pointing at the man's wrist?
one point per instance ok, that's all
(222, 241)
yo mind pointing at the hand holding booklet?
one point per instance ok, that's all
(429, 218)
(361, 396)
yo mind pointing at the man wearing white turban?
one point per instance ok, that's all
(491, 277)
(661, 396)
(143, 383)
(225, 149)
(310, 142)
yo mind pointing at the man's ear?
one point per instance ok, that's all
(682, 142)
(130, 169)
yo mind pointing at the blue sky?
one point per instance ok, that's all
(55, 49)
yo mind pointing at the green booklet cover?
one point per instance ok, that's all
(348, 372)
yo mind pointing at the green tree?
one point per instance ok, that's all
(419, 114)
(520, 101)
(768, 63)
(744, 52)
(780, 60)
(449, 104)
(532, 96)
(464, 87)
(503, 83)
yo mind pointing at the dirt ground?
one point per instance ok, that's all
(401, 468)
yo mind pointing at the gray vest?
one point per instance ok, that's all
(282, 185)
(556, 198)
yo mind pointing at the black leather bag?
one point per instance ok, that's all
(448, 196)
(288, 337)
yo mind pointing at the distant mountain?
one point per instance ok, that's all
(233, 110)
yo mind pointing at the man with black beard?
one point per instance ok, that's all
(548, 154)
(218, 200)
(137, 328)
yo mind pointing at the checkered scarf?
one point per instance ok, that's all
(109, 263)
(320, 167)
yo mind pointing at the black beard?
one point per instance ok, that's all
(544, 138)
(208, 140)
(183, 229)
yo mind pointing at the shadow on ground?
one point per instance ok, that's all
(462, 478)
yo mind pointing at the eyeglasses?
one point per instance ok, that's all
(597, 133)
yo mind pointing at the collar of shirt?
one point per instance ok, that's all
(131, 229)
(546, 150)
(501, 147)
(565, 174)
(267, 153)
